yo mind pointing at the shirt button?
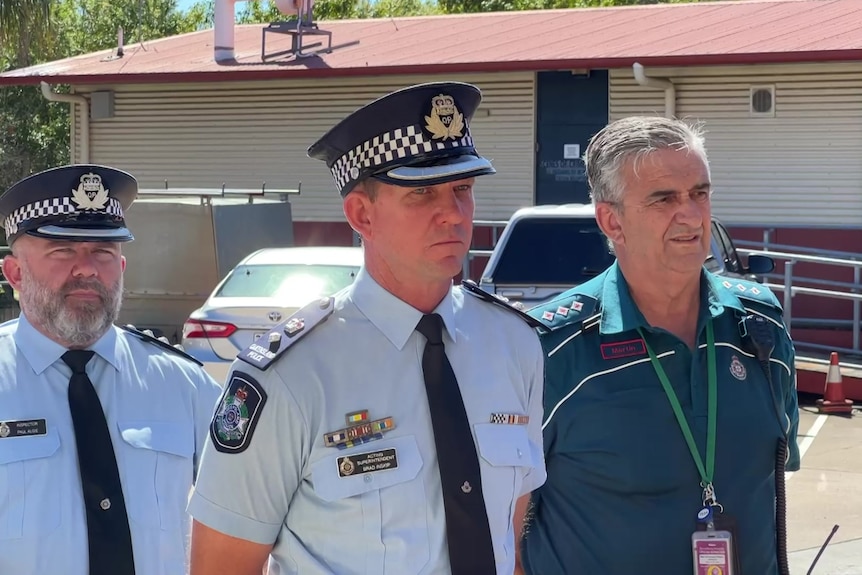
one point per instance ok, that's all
(368, 479)
(519, 453)
(105, 504)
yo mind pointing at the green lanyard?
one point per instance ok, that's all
(706, 471)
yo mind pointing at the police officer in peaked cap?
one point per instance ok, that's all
(394, 427)
(100, 426)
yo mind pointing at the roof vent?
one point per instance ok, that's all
(761, 101)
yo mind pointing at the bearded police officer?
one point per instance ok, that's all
(391, 429)
(100, 427)
(670, 394)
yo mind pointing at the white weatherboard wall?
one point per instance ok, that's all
(244, 133)
(802, 167)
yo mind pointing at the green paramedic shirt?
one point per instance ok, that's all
(622, 491)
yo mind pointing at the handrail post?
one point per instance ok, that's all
(857, 272)
(788, 292)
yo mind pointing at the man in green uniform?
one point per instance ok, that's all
(669, 390)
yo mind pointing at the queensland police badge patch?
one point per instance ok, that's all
(237, 414)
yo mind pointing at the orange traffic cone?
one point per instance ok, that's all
(833, 396)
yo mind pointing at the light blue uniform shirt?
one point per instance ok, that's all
(285, 487)
(157, 405)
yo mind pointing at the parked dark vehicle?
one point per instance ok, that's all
(545, 250)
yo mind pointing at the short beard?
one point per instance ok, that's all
(72, 325)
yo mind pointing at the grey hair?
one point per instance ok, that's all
(634, 138)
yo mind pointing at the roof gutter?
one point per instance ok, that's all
(85, 117)
(660, 83)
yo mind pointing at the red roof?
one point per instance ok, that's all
(733, 32)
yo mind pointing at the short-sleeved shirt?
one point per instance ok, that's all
(623, 491)
(157, 405)
(289, 489)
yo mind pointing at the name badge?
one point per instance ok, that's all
(367, 462)
(23, 428)
(713, 553)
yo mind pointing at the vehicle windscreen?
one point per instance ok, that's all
(287, 281)
(556, 251)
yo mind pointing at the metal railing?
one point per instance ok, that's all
(853, 289)
(496, 227)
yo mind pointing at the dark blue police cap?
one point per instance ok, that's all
(416, 136)
(80, 202)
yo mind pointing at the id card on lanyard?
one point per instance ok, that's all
(713, 543)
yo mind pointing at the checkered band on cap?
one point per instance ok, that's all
(55, 207)
(384, 148)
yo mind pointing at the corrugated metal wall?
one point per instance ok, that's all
(245, 133)
(802, 167)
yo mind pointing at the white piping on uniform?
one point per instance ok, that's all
(764, 316)
(596, 374)
(574, 335)
(781, 363)
(564, 342)
(730, 345)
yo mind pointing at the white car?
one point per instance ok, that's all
(264, 289)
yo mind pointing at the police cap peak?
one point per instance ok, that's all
(419, 135)
(79, 202)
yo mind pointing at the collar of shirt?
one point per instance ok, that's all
(40, 351)
(395, 318)
(620, 313)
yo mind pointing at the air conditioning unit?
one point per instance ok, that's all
(761, 101)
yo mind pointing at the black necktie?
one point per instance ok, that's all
(108, 533)
(470, 549)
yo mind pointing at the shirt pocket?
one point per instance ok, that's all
(158, 473)
(505, 459)
(386, 509)
(29, 497)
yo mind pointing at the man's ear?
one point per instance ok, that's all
(12, 271)
(358, 211)
(608, 218)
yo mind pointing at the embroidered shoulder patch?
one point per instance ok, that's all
(565, 310)
(752, 291)
(281, 337)
(473, 289)
(237, 413)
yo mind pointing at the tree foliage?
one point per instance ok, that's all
(465, 6)
(266, 11)
(34, 133)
